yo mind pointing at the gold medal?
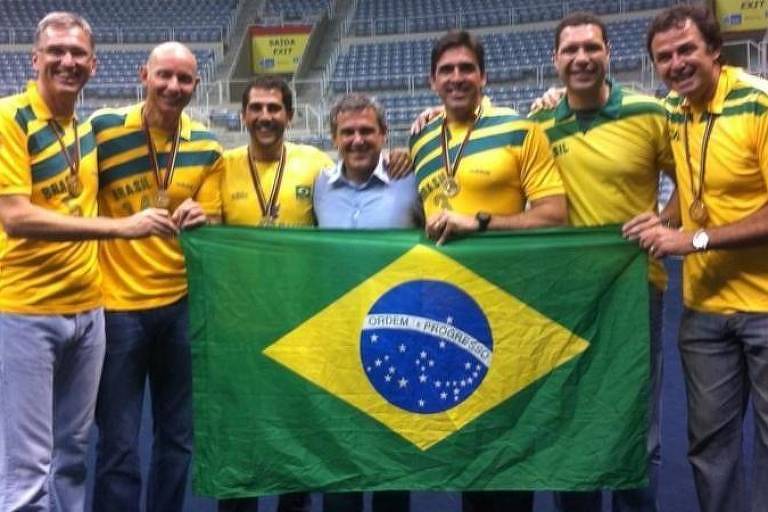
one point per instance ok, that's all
(270, 208)
(162, 200)
(449, 184)
(74, 185)
(442, 202)
(698, 212)
(451, 187)
(72, 181)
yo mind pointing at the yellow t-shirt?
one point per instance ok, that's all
(611, 170)
(294, 198)
(505, 163)
(44, 277)
(735, 186)
(149, 272)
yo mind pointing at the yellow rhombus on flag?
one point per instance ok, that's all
(526, 345)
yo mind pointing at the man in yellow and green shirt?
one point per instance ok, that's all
(51, 316)
(150, 154)
(610, 144)
(718, 125)
(477, 166)
(270, 180)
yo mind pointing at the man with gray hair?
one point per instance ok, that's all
(51, 316)
(358, 193)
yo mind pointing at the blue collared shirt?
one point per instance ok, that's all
(379, 203)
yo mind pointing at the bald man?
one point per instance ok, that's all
(150, 155)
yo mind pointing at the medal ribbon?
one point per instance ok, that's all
(267, 207)
(74, 164)
(165, 182)
(697, 191)
(452, 167)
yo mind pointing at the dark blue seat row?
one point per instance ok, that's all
(124, 21)
(116, 77)
(405, 16)
(511, 56)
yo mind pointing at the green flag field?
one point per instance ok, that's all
(354, 360)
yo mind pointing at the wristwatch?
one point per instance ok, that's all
(483, 219)
(700, 240)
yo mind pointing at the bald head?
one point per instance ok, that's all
(174, 50)
(170, 78)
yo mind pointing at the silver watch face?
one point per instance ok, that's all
(700, 240)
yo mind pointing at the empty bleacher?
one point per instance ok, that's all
(125, 21)
(381, 17)
(286, 11)
(140, 23)
(511, 56)
(116, 77)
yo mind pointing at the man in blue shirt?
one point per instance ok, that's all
(357, 193)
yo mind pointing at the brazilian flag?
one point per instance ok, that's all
(340, 360)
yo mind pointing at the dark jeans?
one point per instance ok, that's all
(725, 360)
(144, 344)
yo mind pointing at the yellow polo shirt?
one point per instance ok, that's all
(735, 186)
(238, 193)
(506, 162)
(44, 277)
(611, 170)
(149, 272)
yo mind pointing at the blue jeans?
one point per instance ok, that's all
(725, 359)
(144, 344)
(49, 376)
(643, 499)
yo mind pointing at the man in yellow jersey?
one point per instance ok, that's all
(610, 144)
(477, 166)
(150, 154)
(269, 180)
(51, 316)
(718, 122)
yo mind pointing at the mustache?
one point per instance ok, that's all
(269, 125)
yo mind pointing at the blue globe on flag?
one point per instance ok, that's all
(426, 346)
